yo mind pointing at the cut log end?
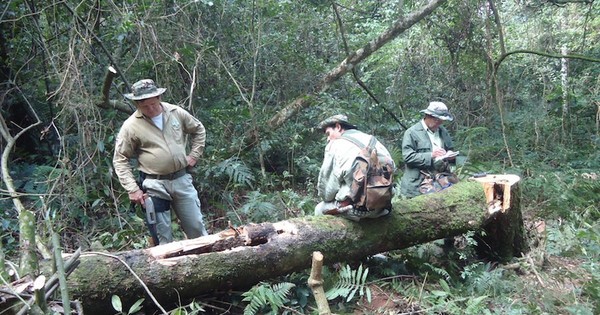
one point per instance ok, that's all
(497, 189)
(504, 237)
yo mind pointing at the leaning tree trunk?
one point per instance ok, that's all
(239, 258)
(351, 61)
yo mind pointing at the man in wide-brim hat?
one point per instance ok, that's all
(144, 89)
(155, 135)
(422, 144)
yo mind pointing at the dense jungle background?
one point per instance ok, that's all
(521, 77)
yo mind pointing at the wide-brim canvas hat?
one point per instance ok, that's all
(438, 110)
(335, 119)
(144, 89)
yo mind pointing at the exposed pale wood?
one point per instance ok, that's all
(504, 229)
(315, 282)
(105, 101)
(505, 181)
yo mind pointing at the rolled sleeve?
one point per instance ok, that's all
(121, 162)
(197, 133)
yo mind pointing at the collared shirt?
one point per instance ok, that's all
(157, 151)
(434, 136)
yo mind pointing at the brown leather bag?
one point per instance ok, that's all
(437, 182)
(371, 188)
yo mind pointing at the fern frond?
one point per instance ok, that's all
(439, 271)
(265, 295)
(237, 171)
(350, 283)
(258, 208)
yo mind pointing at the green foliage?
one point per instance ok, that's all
(237, 172)
(257, 209)
(446, 300)
(10, 228)
(565, 190)
(572, 240)
(256, 206)
(126, 238)
(118, 305)
(235, 64)
(440, 272)
(264, 298)
(483, 278)
(193, 308)
(349, 283)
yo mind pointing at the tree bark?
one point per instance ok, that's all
(27, 227)
(105, 101)
(239, 258)
(504, 230)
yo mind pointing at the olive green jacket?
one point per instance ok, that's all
(416, 151)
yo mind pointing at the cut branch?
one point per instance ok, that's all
(315, 282)
(105, 101)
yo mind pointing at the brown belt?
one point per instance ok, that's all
(171, 176)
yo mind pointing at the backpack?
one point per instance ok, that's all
(371, 188)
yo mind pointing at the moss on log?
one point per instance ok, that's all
(241, 257)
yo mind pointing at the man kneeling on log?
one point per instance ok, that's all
(355, 180)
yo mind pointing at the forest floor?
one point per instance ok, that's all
(558, 277)
(542, 279)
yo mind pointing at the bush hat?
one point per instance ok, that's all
(335, 119)
(438, 110)
(144, 89)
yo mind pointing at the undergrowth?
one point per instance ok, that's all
(559, 275)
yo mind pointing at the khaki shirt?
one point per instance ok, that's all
(335, 175)
(158, 152)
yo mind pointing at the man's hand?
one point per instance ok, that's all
(137, 197)
(437, 152)
(191, 161)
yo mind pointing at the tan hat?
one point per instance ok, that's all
(144, 89)
(438, 110)
(335, 119)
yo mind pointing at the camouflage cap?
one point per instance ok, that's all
(335, 119)
(438, 110)
(144, 89)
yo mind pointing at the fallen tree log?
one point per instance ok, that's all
(241, 257)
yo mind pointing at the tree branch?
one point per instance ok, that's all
(105, 102)
(351, 61)
(355, 75)
(543, 54)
